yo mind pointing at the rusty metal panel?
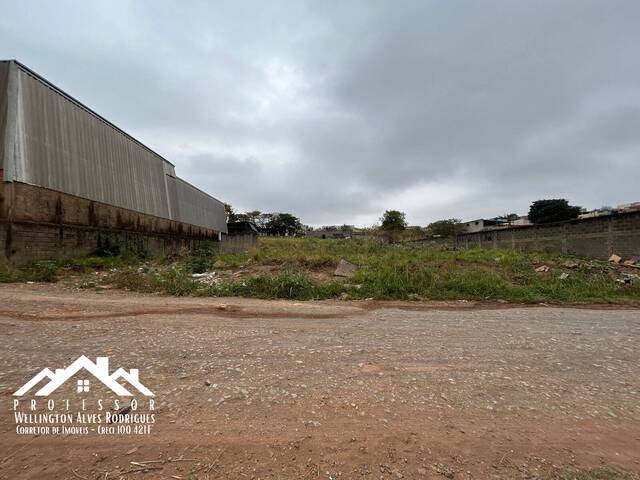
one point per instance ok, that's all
(56, 142)
(196, 207)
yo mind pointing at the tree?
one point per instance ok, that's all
(553, 210)
(283, 224)
(446, 228)
(232, 216)
(393, 220)
(253, 215)
(262, 220)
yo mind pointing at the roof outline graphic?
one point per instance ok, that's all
(99, 369)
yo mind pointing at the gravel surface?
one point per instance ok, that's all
(273, 389)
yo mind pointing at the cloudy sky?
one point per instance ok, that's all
(338, 110)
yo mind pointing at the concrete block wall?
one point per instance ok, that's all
(238, 243)
(37, 223)
(597, 237)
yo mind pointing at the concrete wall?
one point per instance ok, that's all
(594, 237)
(38, 223)
(238, 243)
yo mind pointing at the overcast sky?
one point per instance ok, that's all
(338, 110)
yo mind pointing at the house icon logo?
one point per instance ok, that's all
(100, 371)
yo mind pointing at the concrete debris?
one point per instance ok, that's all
(563, 276)
(345, 269)
(542, 268)
(615, 258)
(208, 278)
(632, 262)
(571, 264)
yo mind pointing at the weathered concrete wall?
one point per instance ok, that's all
(443, 242)
(238, 243)
(38, 223)
(597, 237)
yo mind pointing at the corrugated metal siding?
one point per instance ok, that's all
(4, 96)
(195, 207)
(69, 150)
(62, 145)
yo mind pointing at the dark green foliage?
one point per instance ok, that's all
(43, 271)
(283, 224)
(201, 258)
(393, 220)
(554, 210)
(287, 285)
(446, 228)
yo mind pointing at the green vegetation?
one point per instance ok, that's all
(554, 210)
(446, 228)
(602, 473)
(393, 220)
(302, 268)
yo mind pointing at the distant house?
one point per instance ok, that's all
(520, 221)
(334, 231)
(628, 207)
(495, 223)
(480, 225)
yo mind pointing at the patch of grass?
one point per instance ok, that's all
(200, 259)
(303, 267)
(93, 263)
(130, 278)
(176, 281)
(286, 285)
(43, 271)
(407, 272)
(602, 473)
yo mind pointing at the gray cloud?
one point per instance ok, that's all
(338, 110)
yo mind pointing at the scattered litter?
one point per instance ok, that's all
(219, 264)
(571, 264)
(203, 275)
(542, 268)
(615, 258)
(345, 269)
(563, 276)
(208, 278)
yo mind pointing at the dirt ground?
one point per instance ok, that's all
(252, 389)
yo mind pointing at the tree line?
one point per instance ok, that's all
(540, 212)
(279, 223)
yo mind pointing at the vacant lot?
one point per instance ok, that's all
(284, 390)
(302, 269)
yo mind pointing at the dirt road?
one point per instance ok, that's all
(256, 389)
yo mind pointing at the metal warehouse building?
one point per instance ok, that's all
(65, 167)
